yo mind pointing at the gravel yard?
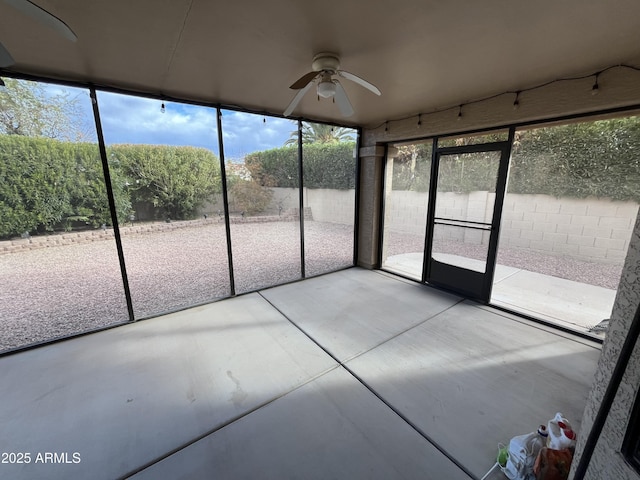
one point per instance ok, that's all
(64, 290)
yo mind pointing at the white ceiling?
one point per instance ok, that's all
(423, 54)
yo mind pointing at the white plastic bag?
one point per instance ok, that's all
(523, 450)
(561, 435)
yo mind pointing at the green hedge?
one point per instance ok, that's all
(600, 159)
(458, 173)
(175, 180)
(48, 185)
(326, 165)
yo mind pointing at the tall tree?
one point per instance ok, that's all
(321, 133)
(33, 110)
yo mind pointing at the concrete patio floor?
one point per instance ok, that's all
(356, 375)
(564, 302)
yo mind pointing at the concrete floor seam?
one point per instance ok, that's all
(225, 424)
(376, 394)
(407, 329)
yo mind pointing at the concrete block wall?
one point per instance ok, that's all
(474, 207)
(406, 212)
(454, 206)
(590, 229)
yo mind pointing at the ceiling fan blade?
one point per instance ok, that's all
(344, 105)
(304, 80)
(359, 81)
(6, 60)
(40, 14)
(296, 99)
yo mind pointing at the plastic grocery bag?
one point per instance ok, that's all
(522, 453)
(553, 464)
(561, 435)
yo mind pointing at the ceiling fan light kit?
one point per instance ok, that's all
(324, 67)
(326, 88)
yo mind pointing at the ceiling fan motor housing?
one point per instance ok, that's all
(325, 62)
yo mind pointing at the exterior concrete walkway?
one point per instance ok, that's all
(571, 304)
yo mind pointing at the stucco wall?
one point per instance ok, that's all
(326, 205)
(334, 206)
(618, 88)
(283, 200)
(371, 161)
(607, 463)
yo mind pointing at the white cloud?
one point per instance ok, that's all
(129, 119)
(246, 132)
(139, 120)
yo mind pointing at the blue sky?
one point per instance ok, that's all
(131, 119)
(127, 119)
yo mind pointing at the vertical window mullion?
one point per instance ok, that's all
(301, 198)
(112, 204)
(225, 201)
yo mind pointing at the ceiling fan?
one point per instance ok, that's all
(41, 15)
(325, 67)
